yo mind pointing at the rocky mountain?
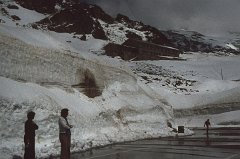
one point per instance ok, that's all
(71, 16)
(81, 18)
(194, 42)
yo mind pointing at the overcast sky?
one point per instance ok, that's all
(206, 16)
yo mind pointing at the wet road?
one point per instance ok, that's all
(223, 143)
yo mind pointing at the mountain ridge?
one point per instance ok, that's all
(80, 18)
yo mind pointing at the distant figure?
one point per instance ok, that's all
(64, 134)
(207, 124)
(29, 137)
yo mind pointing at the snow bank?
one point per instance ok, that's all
(40, 79)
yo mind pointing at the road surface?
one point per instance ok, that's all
(222, 143)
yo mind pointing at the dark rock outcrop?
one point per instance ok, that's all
(12, 6)
(131, 35)
(128, 22)
(153, 35)
(15, 18)
(41, 6)
(75, 19)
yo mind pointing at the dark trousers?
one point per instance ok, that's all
(30, 150)
(65, 140)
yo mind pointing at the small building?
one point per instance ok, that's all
(125, 52)
(133, 49)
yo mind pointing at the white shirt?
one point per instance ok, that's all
(64, 127)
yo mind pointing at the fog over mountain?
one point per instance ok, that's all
(215, 16)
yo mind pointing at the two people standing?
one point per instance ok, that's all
(64, 135)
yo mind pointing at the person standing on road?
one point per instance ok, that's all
(64, 134)
(29, 136)
(207, 124)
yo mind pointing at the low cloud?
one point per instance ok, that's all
(206, 16)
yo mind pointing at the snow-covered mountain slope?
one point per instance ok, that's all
(195, 42)
(110, 100)
(87, 19)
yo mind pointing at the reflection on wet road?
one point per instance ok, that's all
(222, 143)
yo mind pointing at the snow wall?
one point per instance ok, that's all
(43, 80)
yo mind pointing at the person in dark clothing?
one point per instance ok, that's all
(29, 137)
(64, 134)
(207, 124)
